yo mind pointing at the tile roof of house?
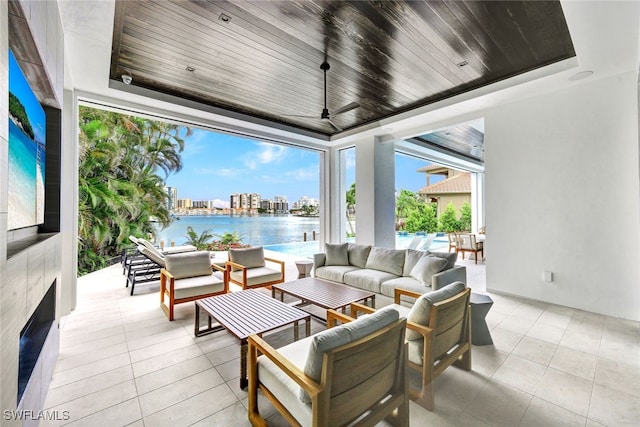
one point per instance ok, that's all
(460, 183)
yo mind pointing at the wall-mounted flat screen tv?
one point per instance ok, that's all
(27, 135)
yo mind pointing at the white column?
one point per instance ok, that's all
(375, 193)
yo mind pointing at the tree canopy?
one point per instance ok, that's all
(123, 161)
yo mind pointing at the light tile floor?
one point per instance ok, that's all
(123, 364)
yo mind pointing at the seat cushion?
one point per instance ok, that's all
(188, 264)
(367, 279)
(426, 267)
(420, 311)
(409, 283)
(248, 257)
(337, 254)
(388, 260)
(286, 390)
(358, 254)
(178, 249)
(258, 275)
(335, 273)
(194, 286)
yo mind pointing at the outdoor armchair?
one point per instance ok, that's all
(190, 276)
(438, 334)
(353, 371)
(468, 243)
(247, 267)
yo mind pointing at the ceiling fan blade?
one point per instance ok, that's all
(338, 128)
(348, 107)
(297, 115)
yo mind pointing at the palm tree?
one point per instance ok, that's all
(119, 183)
(351, 205)
(200, 241)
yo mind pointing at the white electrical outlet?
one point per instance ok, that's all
(548, 276)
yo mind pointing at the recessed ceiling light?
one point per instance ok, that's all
(190, 68)
(224, 18)
(581, 75)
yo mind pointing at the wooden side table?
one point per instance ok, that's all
(480, 306)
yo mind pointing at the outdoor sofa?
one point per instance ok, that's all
(382, 270)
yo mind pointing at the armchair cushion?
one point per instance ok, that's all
(389, 260)
(337, 254)
(188, 264)
(257, 275)
(450, 257)
(358, 254)
(421, 309)
(248, 257)
(340, 335)
(194, 286)
(426, 267)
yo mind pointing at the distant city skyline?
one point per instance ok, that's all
(216, 165)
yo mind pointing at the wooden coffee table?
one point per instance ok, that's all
(244, 313)
(323, 293)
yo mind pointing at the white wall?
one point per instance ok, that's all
(563, 194)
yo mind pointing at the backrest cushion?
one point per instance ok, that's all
(411, 257)
(421, 309)
(426, 267)
(147, 244)
(248, 257)
(154, 256)
(189, 264)
(340, 335)
(337, 254)
(389, 260)
(358, 254)
(450, 257)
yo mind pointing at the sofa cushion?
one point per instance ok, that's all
(450, 257)
(335, 273)
(358, 254)
(420, 311)
(248, 257)
(340, 335)
(188, 264)
(426, 267)
(336, 254)
(411, 258)
(367, 279)
(389, 260)
(409, 283)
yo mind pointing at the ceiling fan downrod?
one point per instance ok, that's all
(325, 111)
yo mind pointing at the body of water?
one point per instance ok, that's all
(255, 230)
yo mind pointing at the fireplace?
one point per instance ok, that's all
(32, 342)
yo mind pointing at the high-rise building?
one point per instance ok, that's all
(172, 197)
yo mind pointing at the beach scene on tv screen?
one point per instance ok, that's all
(27, 122)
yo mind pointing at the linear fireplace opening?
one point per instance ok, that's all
(33, 336)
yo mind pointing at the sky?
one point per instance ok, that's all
(215, 165)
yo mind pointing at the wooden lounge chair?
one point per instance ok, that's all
(355, 371)
(438, 334)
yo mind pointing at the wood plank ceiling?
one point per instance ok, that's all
(262, 58)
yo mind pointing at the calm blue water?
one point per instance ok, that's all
(255, 230)
(22, 178)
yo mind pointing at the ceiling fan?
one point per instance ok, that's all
(325, 116)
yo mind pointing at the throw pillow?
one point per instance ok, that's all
(421, 309)
(388, 260)
(410, 260)
(426, 267)
(188, 264)
(336, 254)
(358, 254)
(450, 257)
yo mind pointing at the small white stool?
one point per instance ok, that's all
(304, 268)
